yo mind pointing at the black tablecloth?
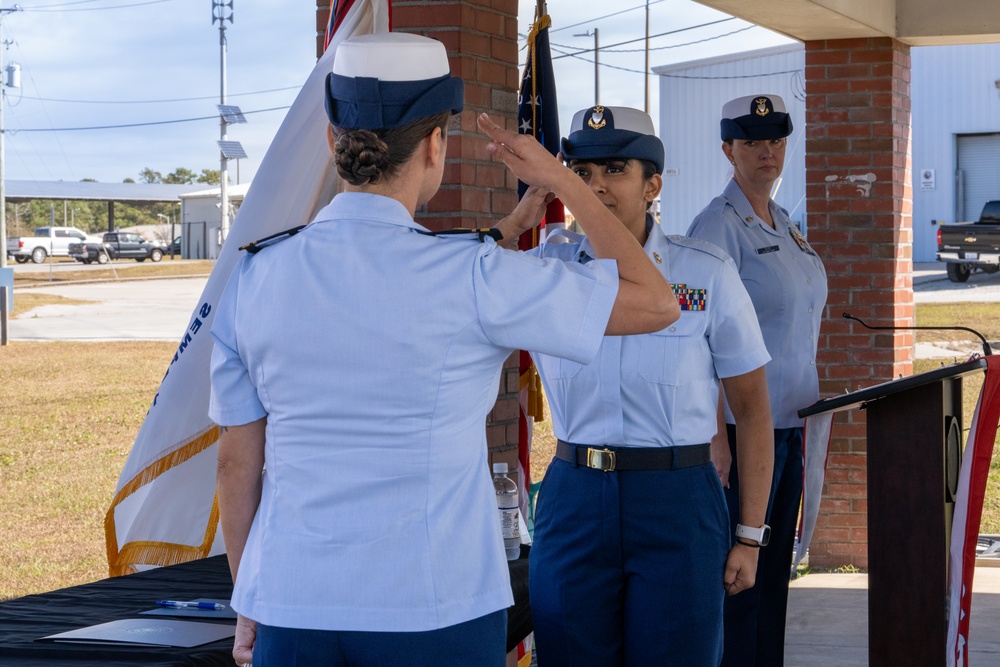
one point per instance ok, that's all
(24, 620)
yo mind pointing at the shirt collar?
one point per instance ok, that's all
(656, 244)
(369, 207)
(742, 206)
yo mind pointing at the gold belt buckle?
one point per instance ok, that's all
(601, 459)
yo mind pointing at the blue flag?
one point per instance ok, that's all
(537, 109)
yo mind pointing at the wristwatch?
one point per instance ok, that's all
(760, 536)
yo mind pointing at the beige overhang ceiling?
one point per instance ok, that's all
(914, 22)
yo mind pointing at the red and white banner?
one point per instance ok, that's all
(815, 451)
(969, 511)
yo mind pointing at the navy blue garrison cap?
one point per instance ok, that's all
(755, 117)
(388, 80)
(601, 133)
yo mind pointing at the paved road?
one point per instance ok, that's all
(127, 310)
(162, 309)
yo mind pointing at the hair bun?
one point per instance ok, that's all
(361, 156)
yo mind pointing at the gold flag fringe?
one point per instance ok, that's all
(535, 407)
(122, 561)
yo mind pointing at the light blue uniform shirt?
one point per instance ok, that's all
(787, 283)
(659, 389)
(375, 353)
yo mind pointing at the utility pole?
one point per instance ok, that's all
(3, 194)
(222, 11)
(6, 275)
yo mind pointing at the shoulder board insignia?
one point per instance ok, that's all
(690, 298)
(482, 233)
(255, 247)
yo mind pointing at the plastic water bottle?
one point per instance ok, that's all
(509, 512)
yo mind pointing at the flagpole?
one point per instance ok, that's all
(645, 73)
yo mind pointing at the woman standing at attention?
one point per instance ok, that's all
(355, 362)
(632, 555)
(787, 283)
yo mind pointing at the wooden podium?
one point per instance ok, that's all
(914, 448)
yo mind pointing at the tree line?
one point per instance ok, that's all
(92, 216)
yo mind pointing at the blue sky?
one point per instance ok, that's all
(100, 63)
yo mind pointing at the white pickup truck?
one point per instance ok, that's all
(47, 241)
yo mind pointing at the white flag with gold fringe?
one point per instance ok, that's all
(165, 509)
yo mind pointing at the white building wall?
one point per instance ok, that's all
(691, 99)
(955, 90)
(202, 221)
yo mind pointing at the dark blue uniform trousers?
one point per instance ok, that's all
(481, 642)
(626, 567)
(755, 618)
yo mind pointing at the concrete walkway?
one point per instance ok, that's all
(828, 621)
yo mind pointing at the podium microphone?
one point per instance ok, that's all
(987, 351)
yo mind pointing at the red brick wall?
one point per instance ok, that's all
(481, 38)
(859, 201)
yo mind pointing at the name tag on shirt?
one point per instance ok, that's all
(770, 248)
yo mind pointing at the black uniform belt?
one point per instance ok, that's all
(609, 459)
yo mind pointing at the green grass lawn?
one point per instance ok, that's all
(69, 413)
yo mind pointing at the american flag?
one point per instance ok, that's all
(538, 113)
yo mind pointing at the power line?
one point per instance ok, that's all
(677, 46)
(606, 16)
(128, 125)
(67, 4)
(662, 34)
(59, 7)
(681, 76)
(179, 99)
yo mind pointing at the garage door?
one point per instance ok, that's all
(978, 174)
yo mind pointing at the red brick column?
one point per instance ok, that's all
(481, 38)
(858, 186)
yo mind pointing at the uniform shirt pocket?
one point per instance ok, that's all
(676, 355)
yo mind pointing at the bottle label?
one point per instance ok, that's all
(509, 524)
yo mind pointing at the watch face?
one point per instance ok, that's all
(765, 535)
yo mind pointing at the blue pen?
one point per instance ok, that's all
(177, 604)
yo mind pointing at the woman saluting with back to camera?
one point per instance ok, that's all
(354, 367)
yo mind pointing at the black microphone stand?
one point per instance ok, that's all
(987, 350)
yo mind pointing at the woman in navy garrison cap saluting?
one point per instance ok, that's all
(787, 283)
(631, 556)
(355, 362)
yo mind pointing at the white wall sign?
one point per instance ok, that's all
(926, 179)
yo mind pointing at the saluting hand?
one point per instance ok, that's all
(526, 215)
(523, 155)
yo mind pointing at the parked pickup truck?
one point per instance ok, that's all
(968, 246)
(116, 245)
(47, 241)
